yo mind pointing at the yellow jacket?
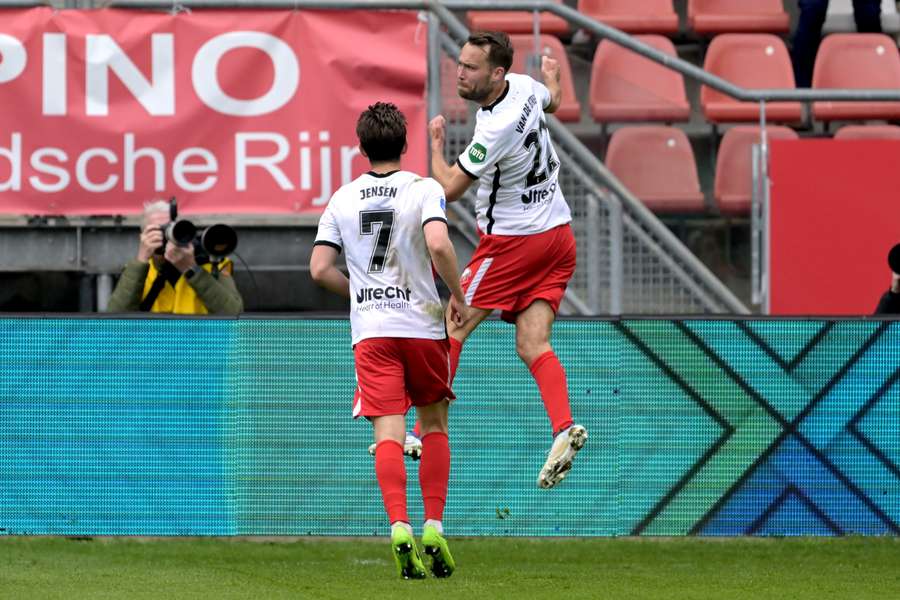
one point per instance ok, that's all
(182, 299)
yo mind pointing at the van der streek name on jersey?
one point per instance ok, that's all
(526, 111)
(379, 191)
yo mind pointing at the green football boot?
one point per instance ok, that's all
(442, 564)
(406, 554)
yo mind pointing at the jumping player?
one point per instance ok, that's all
(526, 253)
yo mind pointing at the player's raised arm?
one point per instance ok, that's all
(453, 179)
(550, 74)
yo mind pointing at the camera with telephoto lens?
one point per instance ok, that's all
(211, 244)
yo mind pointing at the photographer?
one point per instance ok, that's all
(186, 287)
(889, 304)
(890, 301)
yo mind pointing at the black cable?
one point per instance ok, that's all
(252, 278)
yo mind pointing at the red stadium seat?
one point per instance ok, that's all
(737, 16)
(633, 16)
(734, 167)
(628, 87)
(868, 132)
(857, 60)
(749, 60)
(657, 164)
(570, 109)
(515, 21)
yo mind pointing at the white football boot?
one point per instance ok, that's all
(412, 447)
(559, 460)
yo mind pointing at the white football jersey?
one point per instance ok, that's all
(377, 221)
(517, 168)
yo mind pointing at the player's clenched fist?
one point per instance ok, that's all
(437, 129)
(460, 312)
(549, 68)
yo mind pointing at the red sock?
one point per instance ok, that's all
(391, 474)
(434, 473)
(455, 350)
(551, 380)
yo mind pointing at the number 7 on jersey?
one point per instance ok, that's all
(384, 219)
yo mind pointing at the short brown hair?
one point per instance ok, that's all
(500, 50)
(381, 130)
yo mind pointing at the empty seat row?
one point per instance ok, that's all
(658, 165)
(628, 87)
(649, 16)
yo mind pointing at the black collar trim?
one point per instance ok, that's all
(388, 174)
(491, 106)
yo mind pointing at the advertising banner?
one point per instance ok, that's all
(834, 218)
(238, 111)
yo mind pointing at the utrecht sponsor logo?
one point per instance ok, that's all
(385, 293)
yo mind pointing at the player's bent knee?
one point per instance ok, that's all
(529, 350)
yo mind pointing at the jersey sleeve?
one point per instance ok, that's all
(434, 204)
(542, 93)
(488, 146)
(329, 234)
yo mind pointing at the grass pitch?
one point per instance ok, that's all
(489, 568)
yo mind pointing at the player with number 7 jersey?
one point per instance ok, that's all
(392, 226)
(377, 221)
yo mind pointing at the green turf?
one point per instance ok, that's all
(359, 569)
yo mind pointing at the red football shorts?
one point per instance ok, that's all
(509, 272)
(393, 374)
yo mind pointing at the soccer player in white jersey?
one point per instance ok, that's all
(526, 252)
(392, 227)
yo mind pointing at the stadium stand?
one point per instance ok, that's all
(868, 132)
(857, 60)
(749, 60)
(733, 178)
(524, 62)
(737, 16)
(633, 16)
(839, 17)
(657, 164)
(515, 21)
(628, 87)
